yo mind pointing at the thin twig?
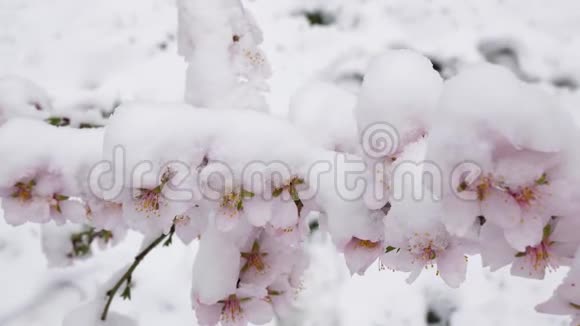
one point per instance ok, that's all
(128, 274)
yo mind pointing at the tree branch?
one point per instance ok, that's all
(129, 273)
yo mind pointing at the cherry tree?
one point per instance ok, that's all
(416, 172)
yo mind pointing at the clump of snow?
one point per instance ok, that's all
(215, 271)
(400, 89)
(325, 113)
(56, 243)
(226, 68)
(20, 97)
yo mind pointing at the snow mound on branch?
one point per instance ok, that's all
(21, 97)
(182, 133)
(400, 88)
(325, 112)
(28, 146)
(56, 243)
(491, 97)
(230, 143)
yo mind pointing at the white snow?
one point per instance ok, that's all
(91, 56)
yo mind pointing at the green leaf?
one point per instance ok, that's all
(58, 121)
(60, 197)
(169, 240)
(319, 17)
(389, 249)
(126, 295)
(274, 292)
(547, 231)
(277, 192)
(247, 194)
(105, 235)
(294, 193)
(85, 125)
(520, 254)
(297, 181)
(543, 180)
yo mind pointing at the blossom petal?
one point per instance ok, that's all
(286, 214)
(528, 232)
(500, 209)
(258, 311)
(359, 258)
(496, 252)
(17, 213)
(258, 211)
(526, 267)
(452, 266)
(207, 315)
(459, 215)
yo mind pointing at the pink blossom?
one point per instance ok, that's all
(265, 260)
(533, 262)
(415, 243)
(249, 304)
(360, 254)
(39, 200)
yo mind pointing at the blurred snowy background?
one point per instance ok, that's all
(91, 56)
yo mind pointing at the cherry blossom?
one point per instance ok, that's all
(249, 304)
(415, 242)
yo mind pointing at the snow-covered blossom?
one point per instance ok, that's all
(40, 178)
(39, 201)
(521, 173)
(105, 215)
(249, 304)
(192, 223)
(520, 201)
(395, 109)
(224, 36)
(149, 208)
(401, 90)
(416, 240)
(521, 208)
(553, 251)
(234, 205)
(266, 259)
